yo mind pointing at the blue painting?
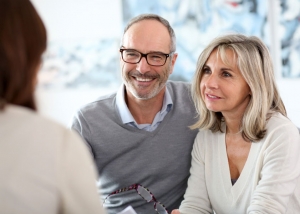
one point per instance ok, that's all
(197, 22)
(290, 37)
(90, 64)
(80, 64)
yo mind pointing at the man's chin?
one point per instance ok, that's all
(141, 94)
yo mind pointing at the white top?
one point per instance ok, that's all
(44, 168)
(269, 182)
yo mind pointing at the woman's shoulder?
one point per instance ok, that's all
(280, 123)
(31, 124)
(281, 132)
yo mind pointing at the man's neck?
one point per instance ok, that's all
(144, 111)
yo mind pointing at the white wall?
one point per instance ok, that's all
(289, 90)
(75, 20)
(61, 105)
(103, 18)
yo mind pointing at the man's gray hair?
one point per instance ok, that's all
(159, 19)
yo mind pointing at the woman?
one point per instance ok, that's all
(246, 156)
(44, 168)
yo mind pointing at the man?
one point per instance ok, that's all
(140, 134)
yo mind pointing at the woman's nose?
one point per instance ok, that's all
(211, 81)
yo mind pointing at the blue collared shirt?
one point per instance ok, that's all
(128, 119)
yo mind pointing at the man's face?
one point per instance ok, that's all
(142, 80)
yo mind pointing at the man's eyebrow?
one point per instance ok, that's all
(156, 52)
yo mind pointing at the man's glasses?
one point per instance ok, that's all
(154, 58)
(145, 194)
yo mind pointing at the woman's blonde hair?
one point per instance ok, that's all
(254, 61)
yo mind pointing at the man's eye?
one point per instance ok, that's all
(131, 54)
(156, 57)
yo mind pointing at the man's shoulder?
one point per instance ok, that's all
(180, 90)
(102, 102)
(178, 84)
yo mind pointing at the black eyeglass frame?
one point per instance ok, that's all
(135, 187)
(145, 55)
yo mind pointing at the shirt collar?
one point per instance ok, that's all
(124, 112)
(167, 103)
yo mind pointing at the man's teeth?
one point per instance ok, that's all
(143, 80)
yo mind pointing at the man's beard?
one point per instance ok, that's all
(137, 90)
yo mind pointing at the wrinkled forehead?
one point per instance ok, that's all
(147, 35)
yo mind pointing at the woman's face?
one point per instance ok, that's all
(223, 88)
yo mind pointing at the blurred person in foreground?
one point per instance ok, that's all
(246, 156)
(140, 136)
(44, 167)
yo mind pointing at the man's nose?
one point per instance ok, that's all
(143, 66)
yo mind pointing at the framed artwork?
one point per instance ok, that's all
(95, 63)
(290, 38)
(197, 22)
(80, 64)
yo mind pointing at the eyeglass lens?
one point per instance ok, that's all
(144, 193)
(132, 56)
(148, 197)
(160, 209)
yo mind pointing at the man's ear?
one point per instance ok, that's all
(174, 58)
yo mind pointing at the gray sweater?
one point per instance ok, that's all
(124, 155)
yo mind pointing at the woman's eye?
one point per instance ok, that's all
(206, 70)
(226, 74)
